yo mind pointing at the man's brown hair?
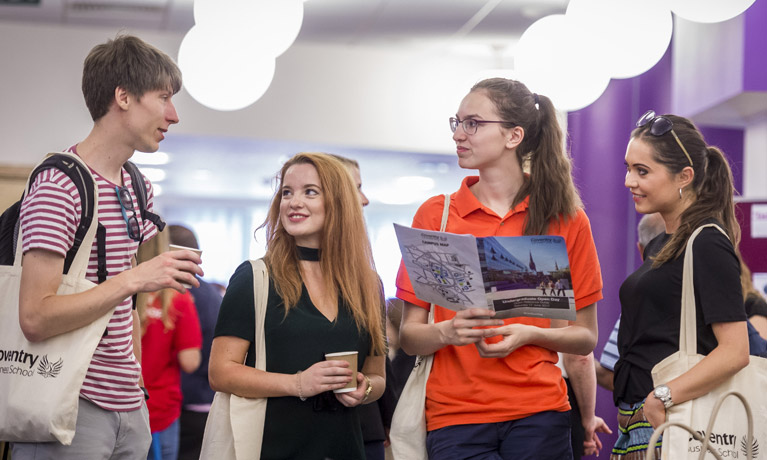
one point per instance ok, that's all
(129, 63)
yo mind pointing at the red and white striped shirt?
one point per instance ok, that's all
(50, 214)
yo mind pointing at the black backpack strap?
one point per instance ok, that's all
(139, 188)
(83, 181)
(101, 250)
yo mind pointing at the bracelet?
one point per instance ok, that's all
(146, 393)
(368, 390)
(300, 393)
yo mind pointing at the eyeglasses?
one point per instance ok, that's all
(660, 126)
(470, 125)
(126, 203)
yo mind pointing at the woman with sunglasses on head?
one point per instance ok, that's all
(495, 390)
(324, 297)
(671, 170)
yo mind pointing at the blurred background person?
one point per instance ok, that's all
(375, 419)
(197, 395)
(581, 383)
(171, 343)
(756, 306)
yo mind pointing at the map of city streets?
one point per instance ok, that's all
(444, 273)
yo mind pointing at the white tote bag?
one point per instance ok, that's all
(408, 425)
(40, 382)
(235, 426)
(729, 433)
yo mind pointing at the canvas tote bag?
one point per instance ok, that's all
(40, 382)
(728, 434)
(408, 425)
(707, 448)
(235, 426)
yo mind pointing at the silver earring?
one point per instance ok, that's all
(680, 193)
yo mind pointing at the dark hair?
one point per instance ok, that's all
(712, 185)
(182, 236)
(550, 184)
(129, 63)
(348, 162)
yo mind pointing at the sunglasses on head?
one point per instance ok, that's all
(659, 126)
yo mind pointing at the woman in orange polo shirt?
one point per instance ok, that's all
(495, 390)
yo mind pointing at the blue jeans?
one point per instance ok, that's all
(165, 443)
(541, 436)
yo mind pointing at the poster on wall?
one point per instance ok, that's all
(760, 283)
(759, 221)
(752, 217)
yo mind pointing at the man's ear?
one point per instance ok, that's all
(122, 98)
(514, 137)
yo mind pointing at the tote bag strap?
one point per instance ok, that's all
(248, 415)
(688, 333)
(442, 227)
(260, 297)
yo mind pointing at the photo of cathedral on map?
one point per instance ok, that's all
(513, 275)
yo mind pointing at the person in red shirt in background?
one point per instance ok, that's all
(171, 339)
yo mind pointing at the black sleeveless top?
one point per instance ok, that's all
(319, 427)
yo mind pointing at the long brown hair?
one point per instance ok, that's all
(745, 281)
(550, 185)
(346, 258)
(147, 251)
(712, 185)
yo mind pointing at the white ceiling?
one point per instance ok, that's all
(243, 168)
(325, 21)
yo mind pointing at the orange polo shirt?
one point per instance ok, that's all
(464, 388)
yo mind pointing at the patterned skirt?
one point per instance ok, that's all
(635, 433)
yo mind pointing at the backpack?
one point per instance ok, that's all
(81, 177)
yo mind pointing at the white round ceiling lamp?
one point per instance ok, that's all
(275, 23)
(551, 60)
(628, 36)
(228, 57)
(709, 10)
(224, 72)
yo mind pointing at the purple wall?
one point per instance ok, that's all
(731, 142)
(598, 136)
(754, 44)
(752, 249)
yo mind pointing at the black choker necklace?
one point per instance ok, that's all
(310, 254)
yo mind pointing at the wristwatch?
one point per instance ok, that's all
(146, 393)
(368, 390)
(663, 393)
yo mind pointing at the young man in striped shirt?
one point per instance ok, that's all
(128, 86)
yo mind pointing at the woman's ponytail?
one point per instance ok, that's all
(712, 185)
(550, 186)
(551, 189)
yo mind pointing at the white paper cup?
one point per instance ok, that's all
(175, 247)
(351, 358)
